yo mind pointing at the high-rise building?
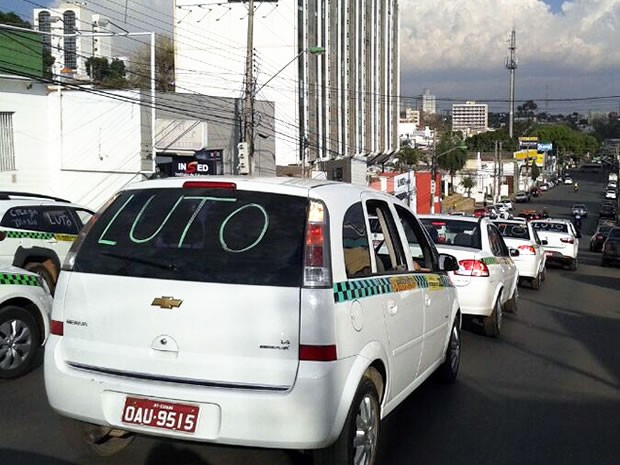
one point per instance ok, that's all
(70, 50)
(342, 102)
(427, 102)
(470, 117)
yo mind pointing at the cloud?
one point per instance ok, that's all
(474, 34)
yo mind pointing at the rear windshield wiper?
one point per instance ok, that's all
(143, 261)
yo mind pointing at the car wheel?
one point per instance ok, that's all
(450, 367)
(41, 270)
(493, 322)
(358, 441)
(535, 282)
(104, 441)
(19, 341)
(573, 265)
(543, 274)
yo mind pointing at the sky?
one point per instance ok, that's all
(568, 51)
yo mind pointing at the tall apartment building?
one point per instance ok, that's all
(410, 116)
(70, 50)
(470, 117)
(427, 102)
(342, 102)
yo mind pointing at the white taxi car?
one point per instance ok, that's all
(25, 307)
(250, 311)
(487, 277)
(531, 259)
(36, 232)
(562, 239)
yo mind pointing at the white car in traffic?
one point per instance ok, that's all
(562, 239)
(531, 259)
(487, 277)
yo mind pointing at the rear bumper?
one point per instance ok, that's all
(528, 266)
(477, 297)
(309, 415)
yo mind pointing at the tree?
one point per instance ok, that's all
(410, 156)
(468, 183)
(448, 156)
(104, 74)
(528, 109)
(140, 65)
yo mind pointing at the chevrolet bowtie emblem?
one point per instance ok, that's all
(166, 302)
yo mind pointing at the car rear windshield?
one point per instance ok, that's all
(208, 235)
(550, 227)
(517, 231)
(454, 232)
(614, 233)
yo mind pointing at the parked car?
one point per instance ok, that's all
(177, 319)
(531, 259)
(562, 241)
(611, 248)
(579, 209)
(568, 181)
(611, 194)
(487, 277)
(522, 197)
(36, 232)
(25, 307)
(507, 203)
(543, 187)
(608, 211)
(599, 236)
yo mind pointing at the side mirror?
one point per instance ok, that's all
(448, 262)
(514, 252)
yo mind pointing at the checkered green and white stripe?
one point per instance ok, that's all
(29, 235)
(351, 290)
(20, 279)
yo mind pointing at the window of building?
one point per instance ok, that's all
(7, 148)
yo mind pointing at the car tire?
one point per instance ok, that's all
(20, 338)
(535, 282)
(543, 274)
(573, 265)
(493, 323)
(449, 369)
(42, 271)
(358, 440)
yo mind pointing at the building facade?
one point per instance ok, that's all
(343, 102)
(69, 36)
(470, 117)
(427, 102)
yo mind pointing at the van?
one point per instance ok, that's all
(251, 312)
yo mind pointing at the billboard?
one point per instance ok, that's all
(530, 156)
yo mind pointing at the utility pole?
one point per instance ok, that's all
(248, 101)
(511, 65)
(500, 172)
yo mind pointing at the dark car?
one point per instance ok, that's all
(611, 248)
(607, 211)
(599, 236)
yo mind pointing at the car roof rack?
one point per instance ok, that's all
(8, 195)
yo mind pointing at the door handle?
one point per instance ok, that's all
(392, 307)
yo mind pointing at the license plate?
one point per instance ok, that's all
(160, 414)
(548, 254)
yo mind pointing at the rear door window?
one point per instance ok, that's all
(209, 235)
(50, 219)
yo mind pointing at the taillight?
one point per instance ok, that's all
(2, 235)
(57, 328)
(472, 268)
(527, 250)
(209, 185)
(600, 236)
(316, 251)
(311, 353)
(567, 240)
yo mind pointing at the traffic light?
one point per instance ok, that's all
(243, 157)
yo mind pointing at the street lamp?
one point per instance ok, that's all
(461, 146)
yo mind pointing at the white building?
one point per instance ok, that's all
(340, 103)
(470, 117)
(411, 116)
(427, 102)
(72, 42)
